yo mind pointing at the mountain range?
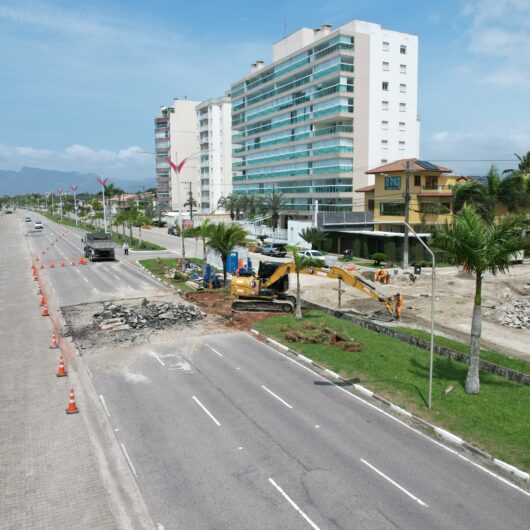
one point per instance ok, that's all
(37, 180)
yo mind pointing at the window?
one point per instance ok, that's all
(402, 88)
(384, 161)
(401, 144)
(385, 85)
(392, 208)
(403, 68)
(386, 46)
(403, 50)
(386, 66)
(392, 183)
(384, 105)
(384, 144)
(401, 125)
(417, 181)
(402, 107)
(384, 125)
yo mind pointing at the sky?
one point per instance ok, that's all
(80, 82)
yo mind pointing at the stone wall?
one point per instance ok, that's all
(486, 366)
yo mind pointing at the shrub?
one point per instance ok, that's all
(378, 257)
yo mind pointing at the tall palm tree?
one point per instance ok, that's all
(273, 205)
(514, 191)
(300, 263)
(232, 204)
(223, 238)
(480, 247)
(204, 230)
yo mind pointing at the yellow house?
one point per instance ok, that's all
(431, 194)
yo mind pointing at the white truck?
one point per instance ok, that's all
(99, 246)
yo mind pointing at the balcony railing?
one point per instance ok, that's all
(437, 187)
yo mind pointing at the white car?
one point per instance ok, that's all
(316, 254)
(28, 219)
(38, 226)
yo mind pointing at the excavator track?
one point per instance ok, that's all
(263, 306)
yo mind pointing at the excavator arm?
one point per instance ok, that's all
(354, 280)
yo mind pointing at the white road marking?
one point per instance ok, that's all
(214, 350)
(102, 399)
(158, 358)
(88, 370)
(131, 287)
(277, 397)
(397, 420)
(117, 277)
(207, 411)
(128, 460)
(394, 483)
(294, 505)
(85, 278)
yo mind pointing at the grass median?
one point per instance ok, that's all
(495, 420)
(160, 266)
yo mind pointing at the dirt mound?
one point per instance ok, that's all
(310, 333)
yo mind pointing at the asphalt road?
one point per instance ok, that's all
(220, 431)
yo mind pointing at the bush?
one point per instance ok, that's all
(181, 277)
(378, 257)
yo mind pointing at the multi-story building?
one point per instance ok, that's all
(176, 138)
(214, 137)
(431, 194)
(331, 105)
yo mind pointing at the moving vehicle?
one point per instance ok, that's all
(28, 219)
(99, 246)
(276, 250)
(38, 226)
(172, 230)
(267, 290)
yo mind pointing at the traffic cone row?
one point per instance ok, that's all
(72, 407)
(54, 343)
(61, 372)
(45, 312)
(42, 300)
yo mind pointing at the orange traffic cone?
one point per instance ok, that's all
(53, 344)
(36, 258)
(42, 265)
(35, 277)
(52, 265)
(62, 371)
(45, 312)
(62, 263)
(42, 300)
(210, 286)
(72, 407)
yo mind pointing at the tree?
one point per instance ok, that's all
(231, 204)
(204, 230)
(314, 237)
(514, 191)
(480, 247)
(250, 205)
(139, 221)
(524, 163)
(273, 205)
(223, 238)
(300, 263)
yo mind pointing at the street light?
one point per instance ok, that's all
(103, 182)
(74, 189)
(433, 290)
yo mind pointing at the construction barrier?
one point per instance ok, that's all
(72, 407)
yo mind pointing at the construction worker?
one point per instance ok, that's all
(399, 305)
(381, 276)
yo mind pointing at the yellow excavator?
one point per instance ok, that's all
(267, 290)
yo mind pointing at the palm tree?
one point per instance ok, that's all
(204, 230)
(514, 191)
(480, 247)
(273, 205)
(300, 263)
(223, 238)
(524, 163)
(230, 203)
(313, 236)
(139, 221)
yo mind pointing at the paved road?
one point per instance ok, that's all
(223, 432)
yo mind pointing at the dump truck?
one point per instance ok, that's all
(99, 246)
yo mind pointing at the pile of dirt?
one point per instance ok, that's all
(213, 302)
(160, 315)
(310, 333)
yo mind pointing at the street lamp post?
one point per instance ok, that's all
(74, 189)
(103, 182)
(61, 203)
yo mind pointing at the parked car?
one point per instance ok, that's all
(316, 254)
(276, 250)
(28, 219)
(38, 226)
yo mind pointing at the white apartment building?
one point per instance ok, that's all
(214, 138)
(176, 138)
(333, 104)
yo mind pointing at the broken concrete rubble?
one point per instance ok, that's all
(146, 315)
(512, 312)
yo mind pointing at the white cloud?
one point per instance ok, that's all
(500, 31)
(127, 162)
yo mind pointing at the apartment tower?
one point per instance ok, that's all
(214, 137)
(176, 138)
(333, 104)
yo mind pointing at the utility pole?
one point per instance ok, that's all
(74, 189)
(406, 195)
(190, 199)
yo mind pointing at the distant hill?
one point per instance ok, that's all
(37, 180)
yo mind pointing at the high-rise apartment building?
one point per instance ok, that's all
(333, 104)
(214, 137)
(176, 138)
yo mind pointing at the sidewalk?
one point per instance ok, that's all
(48, 476)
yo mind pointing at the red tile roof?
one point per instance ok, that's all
(366, 188)
(401, 165)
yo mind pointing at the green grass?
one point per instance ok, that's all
(495, 420)
(495, 357)
(134, 244)
(159, 267)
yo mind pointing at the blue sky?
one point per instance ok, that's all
(82, 82)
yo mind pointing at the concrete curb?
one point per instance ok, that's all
(509, 470)
(156, 278)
